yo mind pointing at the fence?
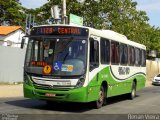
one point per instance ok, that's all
(11, 64)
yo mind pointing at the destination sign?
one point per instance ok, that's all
(59, 30)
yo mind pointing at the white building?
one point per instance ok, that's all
(11, 35)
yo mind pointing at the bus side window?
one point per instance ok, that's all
(105, 51)
(123, 56)
(129, 55)
(143, 58)
(137, 60)
(133, 56)
(140, 57)
(114, 52)
(94, 54)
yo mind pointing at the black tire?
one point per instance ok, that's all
(132, 95)
(101, 98)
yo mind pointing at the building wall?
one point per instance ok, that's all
(152, 69)
(14, 39)
(11, 64)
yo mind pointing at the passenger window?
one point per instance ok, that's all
(123, 54)
(143, 59)
(138, 57)
(105, 51)
(114, 52)
(131, 56)
(94, 54)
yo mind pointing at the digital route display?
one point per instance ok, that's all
(59, 30)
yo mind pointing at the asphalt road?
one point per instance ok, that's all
(146, 102)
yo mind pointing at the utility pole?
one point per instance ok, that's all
(26, 29)
(30, 18)
(64, 12)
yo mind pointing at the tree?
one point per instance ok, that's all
(118, 15)
(11, 13)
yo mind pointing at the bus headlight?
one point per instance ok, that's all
(80, 82)
(26, 79)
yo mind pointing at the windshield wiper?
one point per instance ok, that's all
(68, 42)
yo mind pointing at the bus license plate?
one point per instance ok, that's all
(50, 94)
(62, 83)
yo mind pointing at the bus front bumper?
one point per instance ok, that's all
(71, 95)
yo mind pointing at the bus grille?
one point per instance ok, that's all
(48, 87)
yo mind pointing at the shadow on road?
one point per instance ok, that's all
(116, 99)
(62, 107)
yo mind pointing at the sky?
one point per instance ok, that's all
(152, 8)
(33, 3)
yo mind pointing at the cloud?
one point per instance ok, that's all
(33, 3)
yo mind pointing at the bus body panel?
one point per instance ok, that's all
(89, 93)
(116, 87)
(73, 95)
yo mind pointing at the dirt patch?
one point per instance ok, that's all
(11, 90)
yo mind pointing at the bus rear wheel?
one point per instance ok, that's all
(101, 98)
(132, 95)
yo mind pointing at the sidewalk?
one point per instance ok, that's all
(11, 91)
(148, 83)
(17, 90)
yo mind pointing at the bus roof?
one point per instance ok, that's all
(108, 34)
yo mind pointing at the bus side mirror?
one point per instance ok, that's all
(22, 42)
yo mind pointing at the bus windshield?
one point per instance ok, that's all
(64, 56)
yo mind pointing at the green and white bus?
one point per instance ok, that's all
(81, 64)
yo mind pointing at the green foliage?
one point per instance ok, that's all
(12, 11)
(118, 15)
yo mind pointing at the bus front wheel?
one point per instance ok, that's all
(101, 98)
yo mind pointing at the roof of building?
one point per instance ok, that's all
(5, 30)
